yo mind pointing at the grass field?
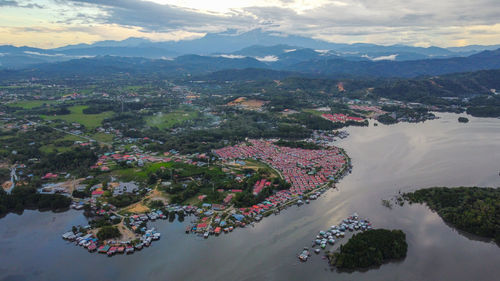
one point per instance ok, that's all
(130, 174)
(29, 104)
(103, 137)
(256, 165)
(167, 120)
(88, 120)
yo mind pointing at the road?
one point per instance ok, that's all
(13, 178)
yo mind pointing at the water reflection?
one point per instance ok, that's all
(386, 159)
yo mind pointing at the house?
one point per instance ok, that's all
(49, 176)
(97, 193)
(125, 188)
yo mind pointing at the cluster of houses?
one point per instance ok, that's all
(107, 159)
(259, 185)
(92, 243)
(305, 169)
(12, 123)
(342, 118)
(278, 199)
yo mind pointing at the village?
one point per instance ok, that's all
(132, 158)
(308, 172)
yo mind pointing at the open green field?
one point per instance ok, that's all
(90, 121)
(130, 174)
(167, 120)
(103, 137)
(29, 104)
(256, 165)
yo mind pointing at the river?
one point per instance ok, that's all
(386, 160)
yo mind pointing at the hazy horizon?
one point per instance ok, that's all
(423, 23)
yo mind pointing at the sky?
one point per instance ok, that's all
(445, 23)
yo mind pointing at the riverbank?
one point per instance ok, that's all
(385, 159)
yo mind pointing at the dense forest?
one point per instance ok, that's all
(370, 248)
(472, 209)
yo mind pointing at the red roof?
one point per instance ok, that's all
(97, 192)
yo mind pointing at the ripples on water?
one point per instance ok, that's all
(386, 160)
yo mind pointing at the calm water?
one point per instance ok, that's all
(386, 160)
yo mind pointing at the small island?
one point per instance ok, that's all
(463, 119)
(370, 248)
(472, 209)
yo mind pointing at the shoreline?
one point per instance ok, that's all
(211, 222)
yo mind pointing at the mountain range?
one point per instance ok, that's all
(249, 56)
(247, 68)
(264, 46)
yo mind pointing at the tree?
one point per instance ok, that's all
(108, 232)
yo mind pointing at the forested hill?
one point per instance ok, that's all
(407, 69)
(425, 89)
(195, 65)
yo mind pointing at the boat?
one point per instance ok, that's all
(139, 246)
(307, 201)
(205, 235)
(188, 229)
(304, 255)
(156, 236)
(317, 251)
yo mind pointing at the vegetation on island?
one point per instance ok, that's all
(370, 248)
(108, 232)
(472, 209)
(387, 119)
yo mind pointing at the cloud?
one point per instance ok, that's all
(414, 22)
(19, 4)
(45, 55)
(156, 17)
(231, 56)
(389, 57)
(267, 58)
